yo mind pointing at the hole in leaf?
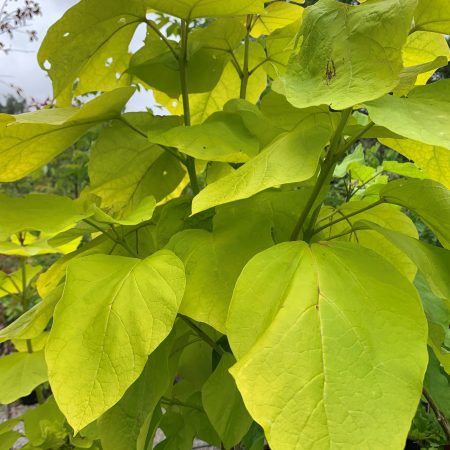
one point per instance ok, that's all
(122, 20)
(118, 75)
(109, 61)
(66, 34)
(47, 64)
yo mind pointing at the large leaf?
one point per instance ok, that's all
(120, 427)
(223, 404)
(37, 212)
(435, 161)
(125, 168)
(433, 15)
(332, 67)
(428, 199)
(298, 326)
(20, 373)
(222, 137)
(193, 9)
(291, 158)
(29, 140)
(122, 308)
(422, 116)
(89, 44)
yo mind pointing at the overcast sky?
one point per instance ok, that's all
(21, 67)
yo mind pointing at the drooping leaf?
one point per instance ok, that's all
(29, 140)
(435, 161)
(329, 375)
(292, 158)
(387, 216)
(223, 404)
(193, 9)
(423, 116)
(120, 427)
(222, 137)
(125, 308)
(433, 15)
(277, 15)
(31, 324)
(125, 168)
(37, 212)
(88, 47)
(423, 47)
(433, 262)
(427, 198)
(45, 426)
(331, 66)
(20, 373)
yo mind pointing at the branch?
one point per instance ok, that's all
(440, 416)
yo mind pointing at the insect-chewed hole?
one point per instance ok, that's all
(66, 34)
(109, 61)
(47, 64)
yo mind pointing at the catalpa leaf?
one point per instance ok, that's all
(298, 327)
(193, 9)
(125, 168)
(433, 15)
(125, 308)
(223, 404)
(38, 212)
(292, 158)
(222, 137)
(20, 373)
(427, 198)
(88, 46)
(423, 116)
(434, 160)
(29, 140)
(331, 66)
(433, 262)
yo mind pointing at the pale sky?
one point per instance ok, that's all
(22, 69)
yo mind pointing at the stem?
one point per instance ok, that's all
(440, 416)
(113, 238)
(327, 167)
(346, 217)
(245, 69)
(364, 184)
(183, 66)
(202, 334)
(345, 233)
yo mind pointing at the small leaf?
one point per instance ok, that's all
(222, 137)
(428, 199)
(125, 308)
(20, 373)
(223, 404)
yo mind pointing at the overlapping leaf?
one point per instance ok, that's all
(29, 140)
(88, 46)
(298, 326)
(331, 66)
(124, 308)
